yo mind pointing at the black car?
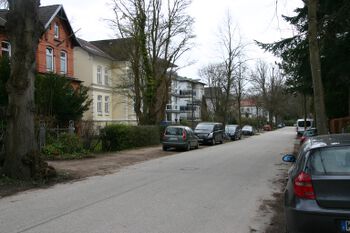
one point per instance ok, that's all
(233, 132)
(179, 137)
(317, 195)
(210, 132)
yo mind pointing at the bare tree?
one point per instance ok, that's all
(23, 28)
(268, 83)
(222, 75)
(238, 86)
(160, 35)
(321, 118)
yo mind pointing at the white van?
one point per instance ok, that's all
(301, 126)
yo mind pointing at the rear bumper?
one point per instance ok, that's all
(314, 219)
(175, 144)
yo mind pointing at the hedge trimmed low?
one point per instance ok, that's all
(120, 137)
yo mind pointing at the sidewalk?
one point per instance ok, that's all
(108, 163)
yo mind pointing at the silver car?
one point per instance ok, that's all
(317, 195)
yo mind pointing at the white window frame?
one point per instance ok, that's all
(56, 31)
(99, 74)
(4, 49)
(63, 62)
(107, 104)
(99, 104)
(50, 68)
(106, 76)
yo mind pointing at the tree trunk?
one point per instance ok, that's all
(21, 148)
(321, 119)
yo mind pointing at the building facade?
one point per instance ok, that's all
(185, 100)
(101, 72)
(55, 52)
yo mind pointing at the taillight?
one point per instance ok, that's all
(184, 135)
(303, 186)
(302, 139)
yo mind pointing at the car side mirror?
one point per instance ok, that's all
(289, 158)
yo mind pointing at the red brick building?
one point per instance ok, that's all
(55, 52)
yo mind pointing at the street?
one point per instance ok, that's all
(215, 189)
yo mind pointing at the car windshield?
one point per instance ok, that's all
(230, 128)
(247, 128)
(204, 127)
(309, 133)
(330, 161)
(173, 131)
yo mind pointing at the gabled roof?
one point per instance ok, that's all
(116, 48)
(91, 48)
(46, 15)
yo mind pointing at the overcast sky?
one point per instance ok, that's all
(256, 19)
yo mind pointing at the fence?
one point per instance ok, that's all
(340, 125)
(44, 132)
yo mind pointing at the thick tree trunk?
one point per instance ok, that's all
(20, 145)
(321, 118)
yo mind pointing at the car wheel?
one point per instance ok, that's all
(188, 146)
(222, 140)
(213, 142)
(165, 148)
(197, 145)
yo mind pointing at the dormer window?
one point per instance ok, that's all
(56, 31)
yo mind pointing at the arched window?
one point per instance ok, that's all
(56, 31)
(49, 59)
(99, 104)
(63, 60)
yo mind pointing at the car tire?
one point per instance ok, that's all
(165, 148)
(197, 145)
(188, 146)
(213, 142)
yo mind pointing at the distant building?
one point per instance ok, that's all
(251, 109)
(185, 100)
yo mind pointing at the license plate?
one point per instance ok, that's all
(345, 225)
(172, 139)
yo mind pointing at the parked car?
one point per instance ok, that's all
(308, 134)
(267, 127)
(179, 137)
(317, 195)
(248, 130)
(233, 132)
(280, 125)
(210, 132)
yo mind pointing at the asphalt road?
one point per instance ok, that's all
(216, 189)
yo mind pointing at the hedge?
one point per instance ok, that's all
(120, 137)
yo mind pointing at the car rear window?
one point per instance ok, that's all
(173, 131)
(301, 123)
(330, 161)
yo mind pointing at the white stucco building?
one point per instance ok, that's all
(100, 71)
(185, 100)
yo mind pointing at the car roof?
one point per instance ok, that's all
(177, 126)
(329, 140)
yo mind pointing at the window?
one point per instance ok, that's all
(56, 31)
(107, 103)
(99, 71)
(106, 77)
(63, 59)
(5, 49)
(49, 59)
(99, 104)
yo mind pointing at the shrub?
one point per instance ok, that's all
(120, 137)
(67, 146)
